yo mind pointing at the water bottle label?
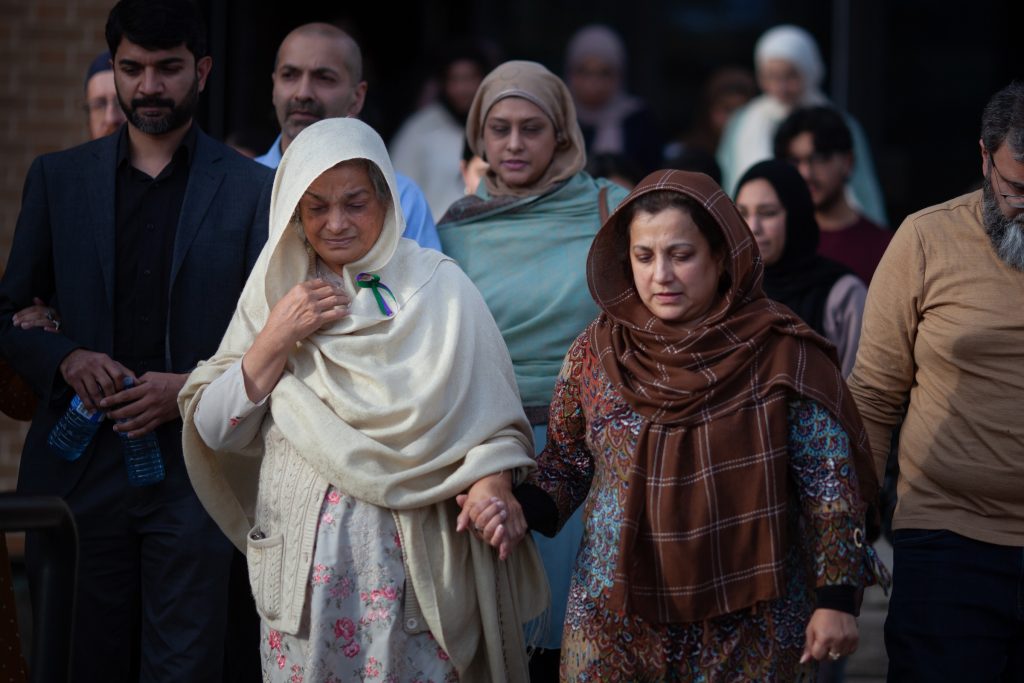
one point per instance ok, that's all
(75, 430)
(90, 415)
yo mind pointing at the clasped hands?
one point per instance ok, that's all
(98, 380)
(492, 513)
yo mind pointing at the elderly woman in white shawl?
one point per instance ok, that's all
(790, 72)
(362, 386)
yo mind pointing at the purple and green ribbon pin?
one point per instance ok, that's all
(372, 282)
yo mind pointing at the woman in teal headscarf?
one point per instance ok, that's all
(523, 239)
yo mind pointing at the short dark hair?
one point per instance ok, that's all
(1003, 119)
(157, 25)
(827, 127)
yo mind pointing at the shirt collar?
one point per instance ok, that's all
(272, 158)
(186, 149)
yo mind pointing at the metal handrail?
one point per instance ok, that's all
(53, 594)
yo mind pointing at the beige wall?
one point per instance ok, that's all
(45, 48)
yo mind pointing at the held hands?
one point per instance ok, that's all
(37, 315)
(307, 307)
(491, 512)
(830, 633)
(147, 405)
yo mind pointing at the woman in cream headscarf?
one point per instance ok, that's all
(523, 240)
(360, 387)
(790, 72)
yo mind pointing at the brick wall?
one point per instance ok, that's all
(45, 47)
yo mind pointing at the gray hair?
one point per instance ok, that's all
(1005, 234)
(377, 179)
(381, 190)
(1003, 119)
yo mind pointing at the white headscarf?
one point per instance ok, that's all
(286, 260)
(749, 134)
(796, 46)
(403, 411)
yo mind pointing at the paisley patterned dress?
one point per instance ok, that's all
(591, 435)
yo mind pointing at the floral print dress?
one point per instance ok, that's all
(356, 619)
(591, 435)
(354, 628)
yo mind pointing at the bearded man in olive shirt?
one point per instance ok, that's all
(943, 343)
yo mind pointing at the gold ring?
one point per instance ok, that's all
(833, 655)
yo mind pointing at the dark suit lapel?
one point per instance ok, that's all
(100, 189)
(204, 179)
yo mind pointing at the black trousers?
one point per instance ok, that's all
(152, 590)
(956, 611)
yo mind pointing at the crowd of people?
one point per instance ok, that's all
(533, 395)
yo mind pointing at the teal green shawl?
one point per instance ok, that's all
(528, 257)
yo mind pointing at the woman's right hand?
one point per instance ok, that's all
(37, 315)
(306, 308)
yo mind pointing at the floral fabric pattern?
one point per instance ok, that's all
(356, 628)
(591, 435)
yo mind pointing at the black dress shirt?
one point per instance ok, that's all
(147, 216)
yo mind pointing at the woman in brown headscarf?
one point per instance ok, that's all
(720, 457)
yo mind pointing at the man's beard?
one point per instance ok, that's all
(311, 107)
(177, 117)
(1006, 234)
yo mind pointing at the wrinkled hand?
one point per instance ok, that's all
(491, 512)
(93, 375)
(829, 632)
(147, 405)
(37, 315)
(306, 308)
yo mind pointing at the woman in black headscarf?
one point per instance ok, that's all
(775, 202)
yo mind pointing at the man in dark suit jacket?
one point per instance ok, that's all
(143, 240)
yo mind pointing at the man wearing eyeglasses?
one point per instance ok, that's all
(101, 105)
(818, 142)
(942, 347)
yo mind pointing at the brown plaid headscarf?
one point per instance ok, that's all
(704, 530)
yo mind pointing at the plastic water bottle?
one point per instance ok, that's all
(142, 456)
(75, 430)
